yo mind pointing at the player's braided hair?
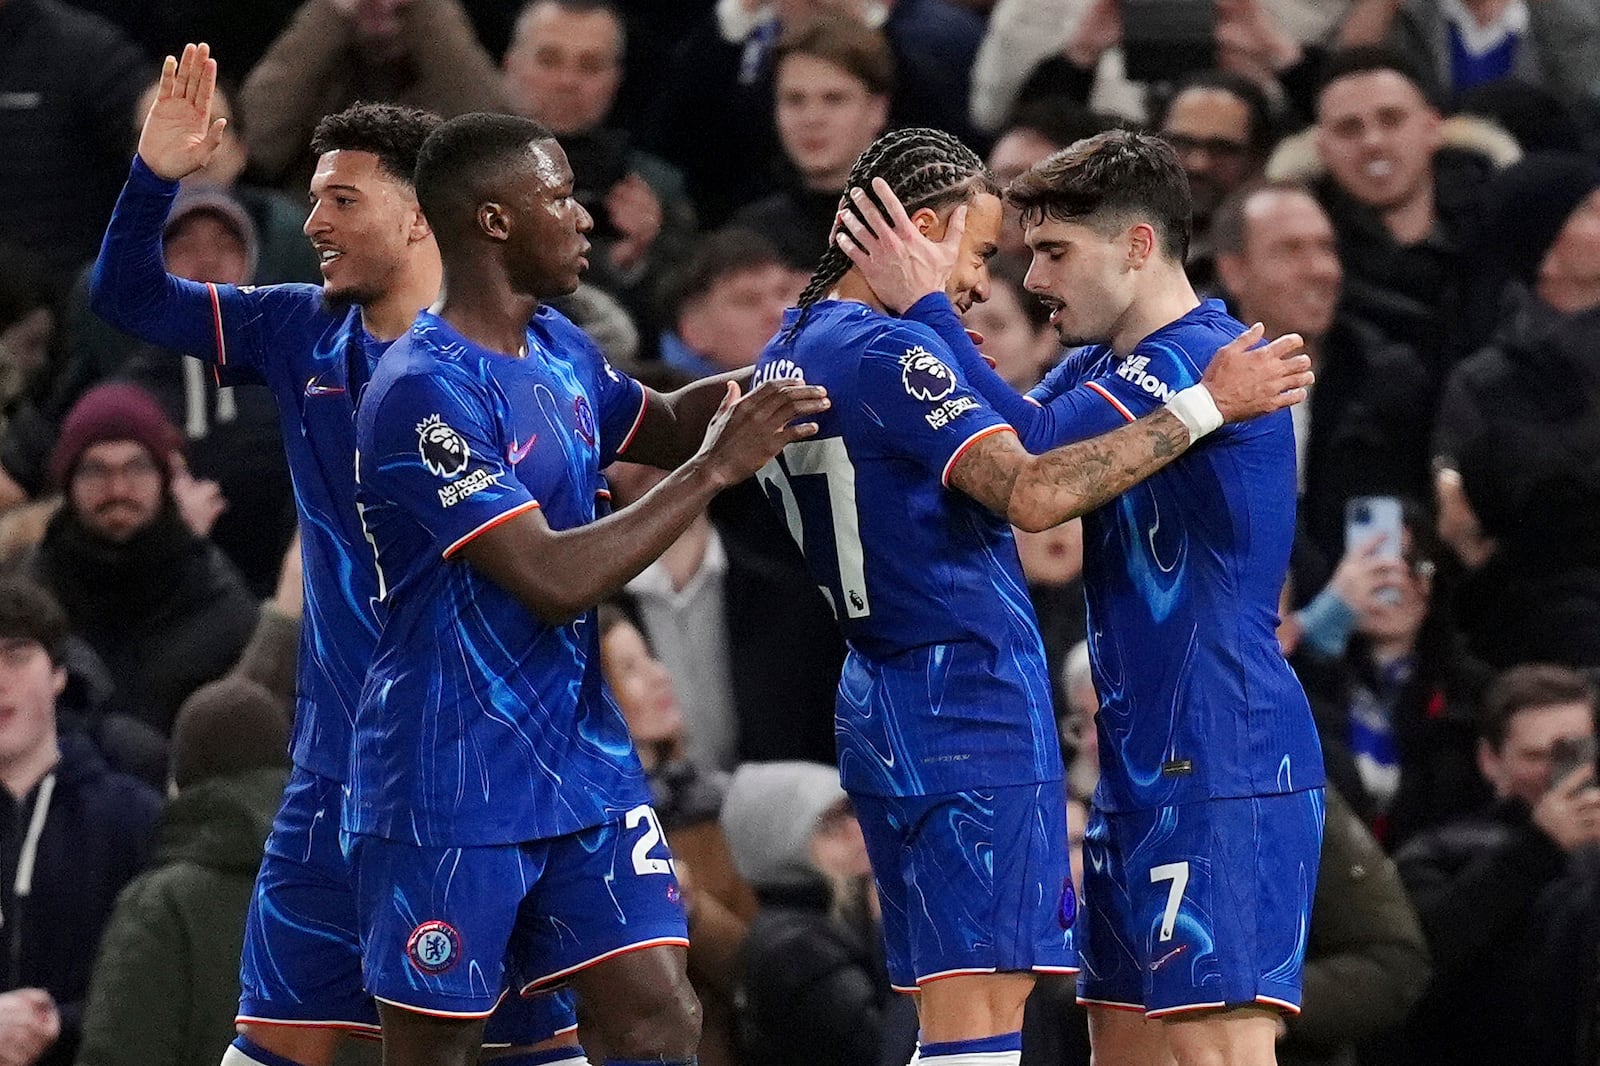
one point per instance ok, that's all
(924, 167)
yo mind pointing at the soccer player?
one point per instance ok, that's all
(498, 820)
(1202, 851)
(301, 971)
(901, 504)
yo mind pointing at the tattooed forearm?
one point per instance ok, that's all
(1077, 478)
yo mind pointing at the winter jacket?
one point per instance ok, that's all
(166, 985)
(97, 830)
(1513, 923)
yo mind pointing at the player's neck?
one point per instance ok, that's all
(483, 307)
(854, 287)
(1167, 297)
(391, 315)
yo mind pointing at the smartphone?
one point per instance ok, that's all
(1162, 40)
(1366, 517)
(1567, 755)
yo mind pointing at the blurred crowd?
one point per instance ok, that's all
(1411, 185)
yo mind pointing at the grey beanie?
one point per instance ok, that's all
(769, 814)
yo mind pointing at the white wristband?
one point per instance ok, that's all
(1196, 410)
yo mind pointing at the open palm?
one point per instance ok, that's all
(179, 134)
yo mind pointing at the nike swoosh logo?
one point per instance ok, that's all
(516, 453)
(314, 387)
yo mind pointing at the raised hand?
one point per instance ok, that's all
(179, 134)
(899, 261)
(1246, 381)
(747, 431)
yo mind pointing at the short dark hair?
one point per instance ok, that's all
(717, 255)
(393, 133)
(580, 7)
(1228, 222)
(862, 53)
(1371, 58)
(1530, 687)
(29, 612)
(462, 158)
(1108, 180)
(1262, 130)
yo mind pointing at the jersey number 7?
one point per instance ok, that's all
(807, 476)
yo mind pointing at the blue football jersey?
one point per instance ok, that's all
(945, 687)
(1182, 574)
(282, 336)
(480, 723)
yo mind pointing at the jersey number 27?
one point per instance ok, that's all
(823, 464)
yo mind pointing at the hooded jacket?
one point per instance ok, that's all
(186, 914)
(94, 835)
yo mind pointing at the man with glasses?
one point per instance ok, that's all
(1220, 124)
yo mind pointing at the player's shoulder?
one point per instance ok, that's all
(422, 365)
(1190, 343)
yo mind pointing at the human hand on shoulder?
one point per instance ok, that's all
(1246, 381)
(748, 430)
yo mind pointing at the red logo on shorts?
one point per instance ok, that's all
(433, 947)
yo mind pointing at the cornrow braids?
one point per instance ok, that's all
(924, 167)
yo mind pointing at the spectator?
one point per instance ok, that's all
(1401, 200)
(1364, 430)
(1519, 487)
(336, 52)
(1467, 43)
(1052, 563)
(1079, 740)
(1366, 959)
(689, 800)
(232, 431)
(833, 81)
(158, 602)
(68, 82)
(1511, 890)
(186, 913)
(1221, 126)
(1393, 691)
(563, 69)
(726, 302)
(71, 835)
(814, 985)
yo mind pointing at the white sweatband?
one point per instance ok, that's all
(1197, 411)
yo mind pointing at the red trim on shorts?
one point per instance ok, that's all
(549, 979)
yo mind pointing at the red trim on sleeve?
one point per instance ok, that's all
(644, 405)
(1110, 399)
(987, 431)
(216, 322)
(504, 516)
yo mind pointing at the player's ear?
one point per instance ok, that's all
(494, 221)
(1141, 238)
(417, 229)
(926, 219)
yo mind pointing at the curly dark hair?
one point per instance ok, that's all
(392, 133)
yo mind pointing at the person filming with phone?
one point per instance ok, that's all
(1510, 897)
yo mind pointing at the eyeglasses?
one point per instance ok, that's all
(93, 472)
(1219, 148)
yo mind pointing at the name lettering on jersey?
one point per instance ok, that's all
(471, 485)
(925, 376)
(1133, 370)
(444, 451)
(949, 411)
(777, 370)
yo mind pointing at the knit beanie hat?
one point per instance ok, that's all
(117, 410)
(225, 727)
(768, 816)
(219, 204)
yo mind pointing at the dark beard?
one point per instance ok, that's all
(337, 303)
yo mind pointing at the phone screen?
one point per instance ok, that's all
(1366, 517)
(1164, 39)
(1567, 754)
